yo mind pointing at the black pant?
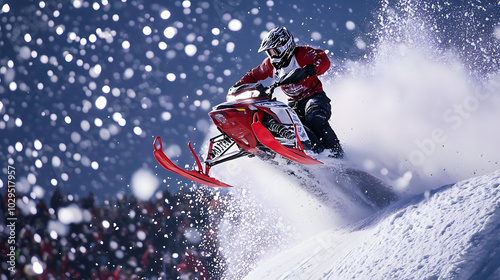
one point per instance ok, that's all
(314, 112)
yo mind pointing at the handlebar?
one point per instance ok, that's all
(270, 89)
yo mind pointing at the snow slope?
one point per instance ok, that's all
(452, 232)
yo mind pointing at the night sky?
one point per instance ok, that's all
(85, 86)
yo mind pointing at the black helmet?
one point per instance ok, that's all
(279, 46)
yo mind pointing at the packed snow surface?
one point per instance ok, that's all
(449, 233)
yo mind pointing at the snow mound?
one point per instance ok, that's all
(452, 232)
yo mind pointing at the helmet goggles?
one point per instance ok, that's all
(276, 52)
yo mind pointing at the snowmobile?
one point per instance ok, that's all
(251, 123)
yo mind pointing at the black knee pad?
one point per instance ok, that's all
(316, 118)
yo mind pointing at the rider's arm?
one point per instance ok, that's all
(259, 73)
(315, 57)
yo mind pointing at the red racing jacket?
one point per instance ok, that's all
(302, 56)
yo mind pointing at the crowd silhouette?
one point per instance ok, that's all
(172, 236)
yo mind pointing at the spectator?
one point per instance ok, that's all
(122, 239)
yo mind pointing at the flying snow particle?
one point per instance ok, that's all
(137, 130)
(234, 25)
(360, 44)
(98, 122)
(215, 31)
(192, 235)
(105, 224)
(141, 235)
(113, 129)
(85, 125)
(165, 14)
(18, 122)
(64, 177)
(230, 47)
(56, 161)
(119, 254)
(166, 116)
(19, 147)
(170, 32)
(70, 214)
(173, 151)
(190, 49)
(37, 144)
(144, 183)
(56, 228)
(162, 46)
(77, 4)
(101, 102)
(37, 268)
(496, 32)
(104, 134)
(60, 30)
(95, 71)
(316, 36)
(126, 45)
(147, 30)
(350, 25)
(24, 53)
(128, 73)
(206, 105)
(5, 8)
(38, 191)
(31, 179)
(68, 57)
(117, 117)
(171, 77)
(13, 86)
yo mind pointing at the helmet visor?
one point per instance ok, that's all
(276, 52)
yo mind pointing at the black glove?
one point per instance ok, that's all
(310, 70)
(297, 75)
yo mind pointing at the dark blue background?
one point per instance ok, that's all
(125, 152)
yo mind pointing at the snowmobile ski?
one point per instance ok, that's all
(194, 175)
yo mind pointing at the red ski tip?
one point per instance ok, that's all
(193, 175)
(157, 144)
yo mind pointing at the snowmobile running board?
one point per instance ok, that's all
(194, 175)
(268, 140)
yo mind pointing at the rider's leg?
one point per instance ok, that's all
(317, 112)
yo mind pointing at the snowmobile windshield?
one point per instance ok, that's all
(244, 95)
(246, 91)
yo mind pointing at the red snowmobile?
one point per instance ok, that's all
(251, 123)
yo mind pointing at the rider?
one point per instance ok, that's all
(303, 88)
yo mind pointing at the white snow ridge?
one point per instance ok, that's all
(450, 233)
